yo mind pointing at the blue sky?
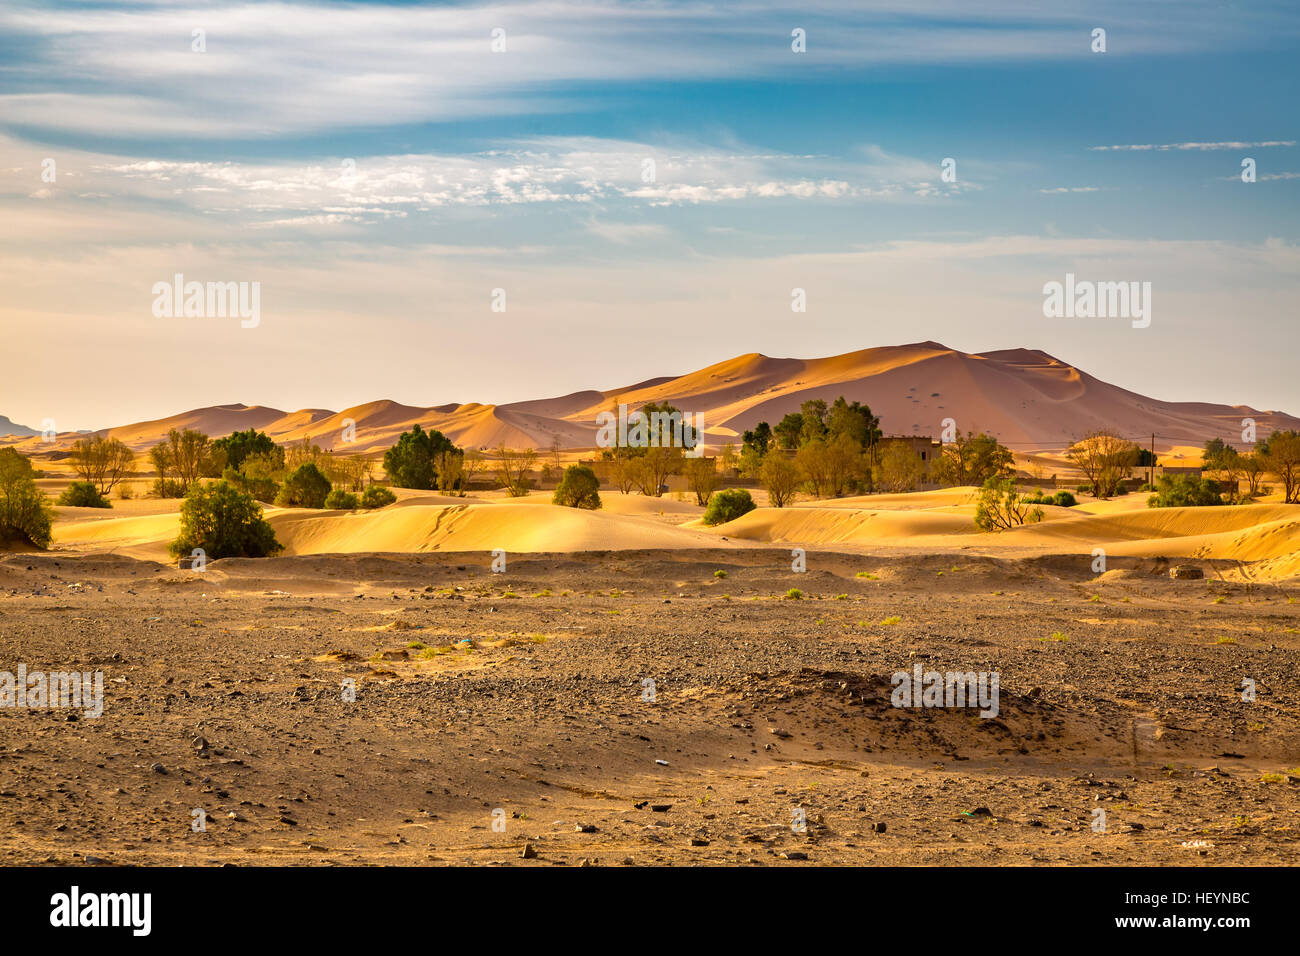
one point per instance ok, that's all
(379, 170)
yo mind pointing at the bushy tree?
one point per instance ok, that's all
(305, 488)
(258, 475)
(702, 474)
(900, 468)
(1282, 452)
(82, 494)
(757, 439)
(101, 462)
(1105, 460)
(340, 500)
(411, 462)
(1184, 491)
(972, 460)
(513, 467)
(1001, 507)
(238, 446)
(377, 496)
(225, 523)
(728, 505)
(578, 488)
(180, 461)
(781, 477)
(25, 513)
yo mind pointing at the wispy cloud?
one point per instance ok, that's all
(1145, 147)
(130, 70)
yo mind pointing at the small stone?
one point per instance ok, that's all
(158, 768)
(529, 852)
(585, 828)
(879, 827)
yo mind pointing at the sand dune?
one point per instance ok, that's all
(1024, 397)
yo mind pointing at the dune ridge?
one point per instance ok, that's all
(1024, 397)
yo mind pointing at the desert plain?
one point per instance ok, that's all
(638, 689)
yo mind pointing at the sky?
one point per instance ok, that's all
(457, 202)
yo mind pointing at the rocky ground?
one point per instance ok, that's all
(648, 708)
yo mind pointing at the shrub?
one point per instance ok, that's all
(1184, 491)
(1001, 507)
(1084, 489)
(305, 488)
(728, 505)
(225, 523)
(377, 496)
(340, 500)
(1062, 499)
(578, 489)
(24, 509)
(82, 494)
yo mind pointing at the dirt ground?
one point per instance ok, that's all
(507, 718)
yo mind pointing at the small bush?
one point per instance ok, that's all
(377, 496)
(225, 523)
(578, 489)
(305, 488)
(728, 505)
(1065, 500)
(1084, 489)
(340, 500)
(82, 494)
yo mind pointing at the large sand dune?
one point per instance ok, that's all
(1025, 398)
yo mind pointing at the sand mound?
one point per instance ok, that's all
(514, 527)
(840, 526)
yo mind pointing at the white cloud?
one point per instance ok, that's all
(1196, 146)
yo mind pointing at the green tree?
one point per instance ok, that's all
(578, 489)
(305, 488)
(411, 462)
(225, 523)
(757, 439)
(240, 445)
(25, 513)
